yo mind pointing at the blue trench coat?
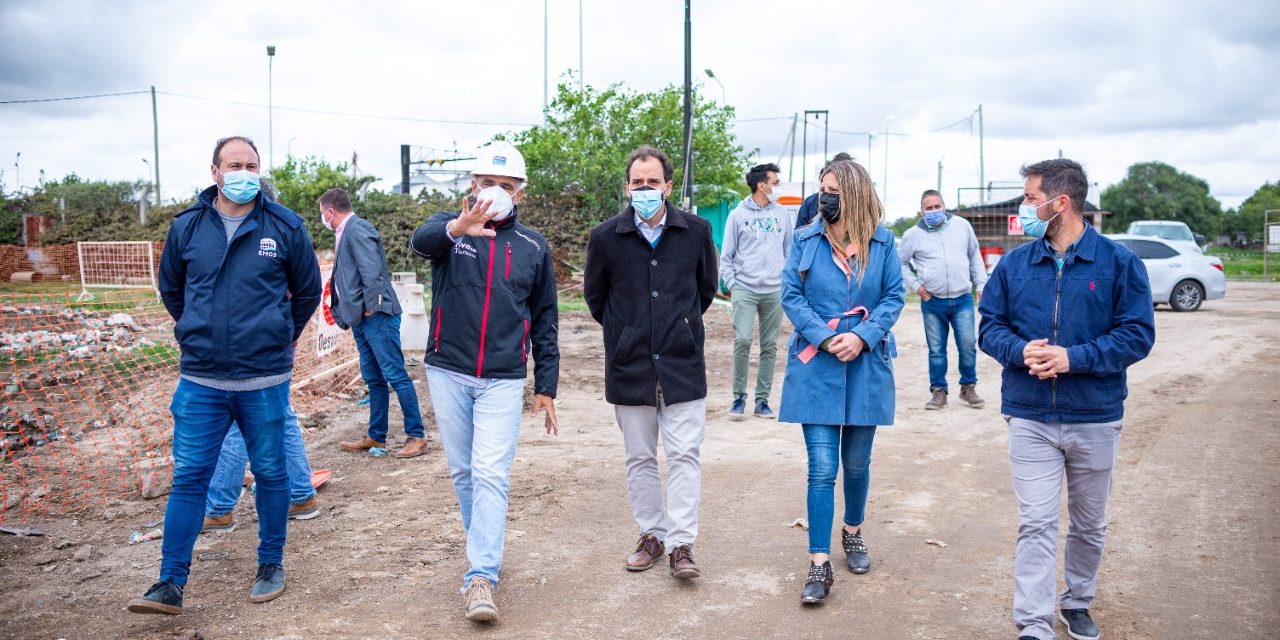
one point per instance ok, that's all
(815, 290)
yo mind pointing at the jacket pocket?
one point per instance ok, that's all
(888, 347)
(624, 348)
(683, 340)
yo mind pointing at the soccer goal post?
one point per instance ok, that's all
(116, 265)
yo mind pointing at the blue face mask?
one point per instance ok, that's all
(935, 218)
(646, 202)
(240, 186)
(1031, 223)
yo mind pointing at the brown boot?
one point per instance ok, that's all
(305, 510)
(647, 552)
(224, 524)
(413, 447)
(682, 564)
(939, 399)
(363, 444)
(969, 393)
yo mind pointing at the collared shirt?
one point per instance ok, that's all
(652, 234)
(337, 231)
(1060, 259)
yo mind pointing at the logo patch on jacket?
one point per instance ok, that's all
(267, 248)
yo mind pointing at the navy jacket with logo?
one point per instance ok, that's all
(1098, 306)
(235, 316)
(491, 300)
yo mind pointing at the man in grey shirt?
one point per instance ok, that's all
(941, 262)
(757, 239)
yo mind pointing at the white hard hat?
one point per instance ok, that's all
(499, 158)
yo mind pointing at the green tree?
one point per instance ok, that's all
(1246, 222)
(582, 148)
(300, 182)
(901, 225)
(1157, 191)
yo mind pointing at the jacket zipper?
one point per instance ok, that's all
(484, 317)
(506, 272)
(524, 341)
(438, 327)
(1057, 298)
(946, 266)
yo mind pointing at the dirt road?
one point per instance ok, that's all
(1193, 550)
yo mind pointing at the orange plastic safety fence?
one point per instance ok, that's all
(87, 374)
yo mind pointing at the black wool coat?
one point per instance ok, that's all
(650, 301)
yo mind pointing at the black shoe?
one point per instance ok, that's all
(1079, 625)
(269, 583)
(858, 558)
(163, 597)
(819, 583)
(1028, 638)
(739, 407)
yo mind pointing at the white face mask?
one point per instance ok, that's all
(774, 194)
(500, 199)
(325, 220)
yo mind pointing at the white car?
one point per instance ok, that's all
(1180, 276)
(1171, 230)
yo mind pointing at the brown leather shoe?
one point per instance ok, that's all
(647, 553)
(305, 510)
(682, 564)
(224, 523)
(413, 447)
(363, 444)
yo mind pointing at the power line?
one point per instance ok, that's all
(98, 95)
(347, 114)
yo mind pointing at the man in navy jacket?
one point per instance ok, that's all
(1066, 315)
(239, 277)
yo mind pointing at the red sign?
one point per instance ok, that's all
(1015, 227)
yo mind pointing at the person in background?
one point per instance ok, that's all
(649, 277)
(757, 239)
(842, 289)
(493, 296)
(941, 262)
(365, 303)
(1065, 315)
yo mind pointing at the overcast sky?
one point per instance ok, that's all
(1193, 84)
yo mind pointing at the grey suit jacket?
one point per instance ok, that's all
(361, 281)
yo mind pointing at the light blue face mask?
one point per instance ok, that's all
(646, 202)
(935, 218)
(240, 186)
(1031, 223)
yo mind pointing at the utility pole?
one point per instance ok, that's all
(580, 80)
(869, 137)
(826, 121)
(271, 145)
(546, 38)
(939, 176)
(155, 142)
(688, 106)
(982, 166)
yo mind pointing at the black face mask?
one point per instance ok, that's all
(829, 207)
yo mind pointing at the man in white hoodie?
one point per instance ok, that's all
(941, 262)
(757, 239)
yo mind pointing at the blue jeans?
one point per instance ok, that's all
(228, 476)
(201, 418)
(382, 363)
(479, 423)
(941, 314)
(828, 446)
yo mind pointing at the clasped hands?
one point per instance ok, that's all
(1045, 360)
(845, 346)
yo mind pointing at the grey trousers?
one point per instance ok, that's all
(747, 308)
(682, 427)
(1039, 454)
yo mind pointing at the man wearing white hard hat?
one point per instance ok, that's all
(493, 305)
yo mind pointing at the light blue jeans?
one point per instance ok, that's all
(940, 316)
(479, 422)
(228, 476)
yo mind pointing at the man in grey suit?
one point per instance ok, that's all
(363, 301)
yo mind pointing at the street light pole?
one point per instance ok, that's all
(712, 75)
(271, 146)
(142, 204)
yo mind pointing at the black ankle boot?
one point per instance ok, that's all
(855, 551)
(818, 585)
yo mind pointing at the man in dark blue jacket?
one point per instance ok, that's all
(239, 277)
(1066, 314)
(493, 296)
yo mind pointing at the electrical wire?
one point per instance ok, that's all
(98, 95)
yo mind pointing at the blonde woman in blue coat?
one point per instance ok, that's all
(842, 289)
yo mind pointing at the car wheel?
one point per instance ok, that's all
(1187, 296)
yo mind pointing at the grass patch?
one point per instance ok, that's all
(1245, 264)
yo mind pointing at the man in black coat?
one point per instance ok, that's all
(650, 275)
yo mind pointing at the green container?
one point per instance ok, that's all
(718, 216)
